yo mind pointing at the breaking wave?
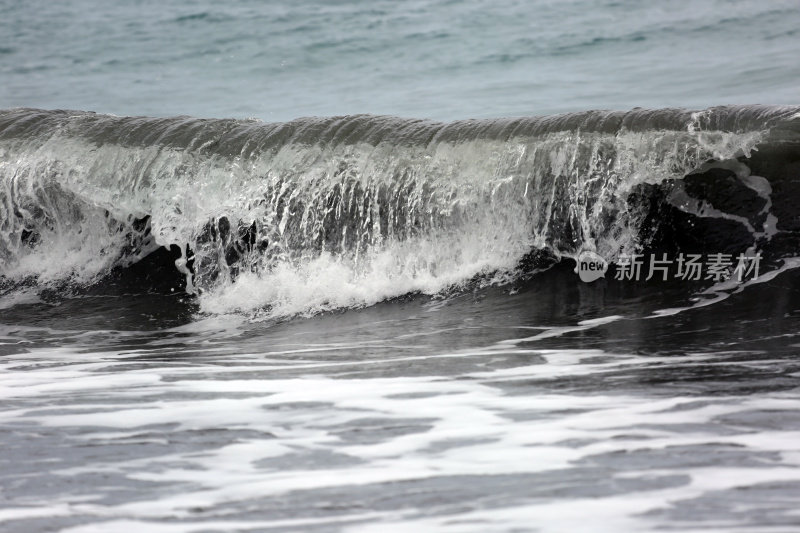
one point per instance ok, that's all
(324, 213)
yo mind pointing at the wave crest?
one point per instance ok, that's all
(321, 213)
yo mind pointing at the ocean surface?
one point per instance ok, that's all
(455, 266)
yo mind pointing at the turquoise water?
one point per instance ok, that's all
(425, 59)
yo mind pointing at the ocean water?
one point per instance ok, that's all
(350, 266)
(443, 60)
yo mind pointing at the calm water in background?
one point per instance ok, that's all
(542, 404)
(444, 60)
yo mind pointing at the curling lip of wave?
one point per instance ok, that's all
(234, 137)
(383, 205)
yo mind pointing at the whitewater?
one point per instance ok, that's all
(266, 216)
(390, 287)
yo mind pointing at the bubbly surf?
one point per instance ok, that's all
(375, 318)
(321, 214)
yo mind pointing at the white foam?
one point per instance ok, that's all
(344, 225)
(723, 290)
(468, 427)
(427, 265)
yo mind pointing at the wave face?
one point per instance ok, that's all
(324, 213)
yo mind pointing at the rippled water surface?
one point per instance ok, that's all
(537, 407)
(427, 59)
(371, 338)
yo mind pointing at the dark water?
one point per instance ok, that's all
(359, 322)
(497, 409)
(369, 323)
